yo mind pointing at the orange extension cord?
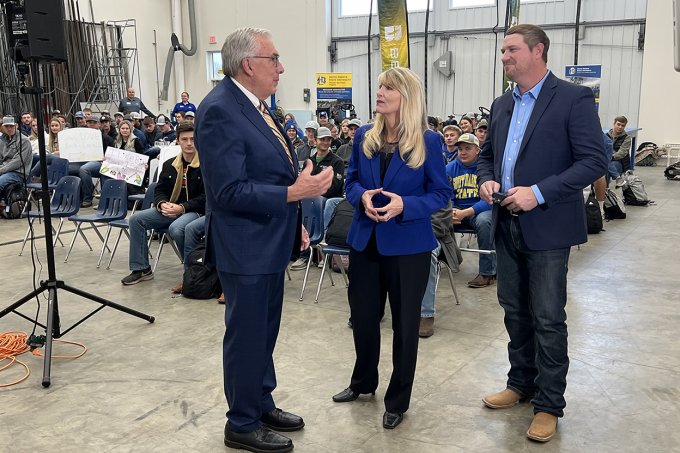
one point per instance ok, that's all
(13, 344)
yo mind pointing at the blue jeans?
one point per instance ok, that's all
(481, 223)
(7, 179)
(193, 233)
(151, 219)
(532, 289)
(86, 172)
(427, 306)
(49, 158)
(615, 169)
(328, 209)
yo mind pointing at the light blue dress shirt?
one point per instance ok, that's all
(524, 105)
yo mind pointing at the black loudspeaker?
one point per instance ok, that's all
(36, 30)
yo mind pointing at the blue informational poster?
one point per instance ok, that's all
(587, 75)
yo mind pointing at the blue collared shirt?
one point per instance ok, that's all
(524, 105)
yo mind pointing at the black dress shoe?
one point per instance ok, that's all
(347, 396)
(279, 420)
(392, 419)
(260, 441)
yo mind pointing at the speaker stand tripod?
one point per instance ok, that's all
(52, 285)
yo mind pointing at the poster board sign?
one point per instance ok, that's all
(334, 86)
(124, 165)
(586, 75)
(80, 144)
(167, 153)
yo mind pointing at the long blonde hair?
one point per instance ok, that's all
(412, 118)
(53, 139)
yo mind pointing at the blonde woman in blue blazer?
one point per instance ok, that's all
(396, 180)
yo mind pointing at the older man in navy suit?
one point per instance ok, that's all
(252, 194)
(544, 146)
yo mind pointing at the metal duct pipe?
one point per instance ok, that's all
(176, 45)
(177, 30)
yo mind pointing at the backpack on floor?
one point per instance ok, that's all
(613, 206)
(672, 171)
(338, 227)
(16, 197)
(634, 192)
(200, 280)
(593, 214)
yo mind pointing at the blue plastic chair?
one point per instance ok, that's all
(112, 206)
(55, 171)
(65, 203)
(329, 251)
(312, 219)
(124, 224)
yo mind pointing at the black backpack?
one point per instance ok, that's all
(200, 281)
(16, 197)
(593, 214)
(338, 227)
(672, 171)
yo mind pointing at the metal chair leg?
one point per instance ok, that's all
(158, 254)
(304, 280)
(28, 231)
(288, 274)
(104, 247)
(323, 271)
(330, 270)
(73, 241)
(453, 286)
(115, 246)
(56, 234)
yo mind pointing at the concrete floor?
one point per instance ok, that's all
(158, 387)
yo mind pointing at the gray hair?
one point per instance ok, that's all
(240, 44)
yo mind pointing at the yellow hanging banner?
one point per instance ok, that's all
(393, 22)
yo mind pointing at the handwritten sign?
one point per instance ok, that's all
(124, 165)
(167, 153)
(80, 144)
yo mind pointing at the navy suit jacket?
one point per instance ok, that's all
(423, 191)
(562, 152)
(250, 227)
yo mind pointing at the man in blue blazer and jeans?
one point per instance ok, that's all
(252, 193)
(544, 146)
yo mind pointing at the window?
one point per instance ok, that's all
(215, 66)
(470, 3)
(362, 7)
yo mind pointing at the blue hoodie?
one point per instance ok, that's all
(465, 189)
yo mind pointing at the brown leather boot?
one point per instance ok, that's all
(543, 427)
(426, 327)
(502, 400)
(482, 281)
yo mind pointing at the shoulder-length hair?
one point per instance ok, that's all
(412, 120)
(53, 139)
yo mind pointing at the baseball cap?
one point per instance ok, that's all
(8, 121)
(92, 118)
(127, 117)
(105, 113)
(56, 112)
(323, 114)
(312, 125)
(354, 122)
(161, 120)
(482, 123)
(468, 138)
(192, 114)
(119, 114)
(135, 115)
(79, 114)
(323, 132)
(104, 118)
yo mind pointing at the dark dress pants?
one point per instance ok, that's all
(252, 319)
(404, 279)
(532, 289)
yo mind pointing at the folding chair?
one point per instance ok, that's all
(329, 251)
(312, 219)
(65, 203)
(55, 171)
(163, 235)
(112, 206)
(124, 224)
(441, 261)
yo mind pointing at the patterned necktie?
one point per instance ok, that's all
(275, 130)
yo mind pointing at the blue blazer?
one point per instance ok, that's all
(562, 152)
(423, 191)
(250, 227)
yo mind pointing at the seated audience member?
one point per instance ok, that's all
(480, 131)
(107, 127)
(80, 119)
(177, 118)
(451, 136)
(152, 134)
(466, 125)
(89, 169)
(87, 111)
(345, 151)
(15, 156)
(291, 131)
(190, 117)
(51, 147)
(118, 118)
(432, 123)
(127, 140)
(344, 131)
(322, 118)
(179, 200)
(137, 128)
(168, 134)
(25, 125)
(622, 142)
(469, 210)
(305, 150)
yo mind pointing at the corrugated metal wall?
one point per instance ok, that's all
(609, 33)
